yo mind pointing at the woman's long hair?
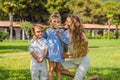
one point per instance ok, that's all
(78, 40)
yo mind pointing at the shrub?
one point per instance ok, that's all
(3, 35)
(105, 35)
(97, 37)
(112, 35)
(88, 35)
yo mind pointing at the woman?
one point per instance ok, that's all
(78, 49)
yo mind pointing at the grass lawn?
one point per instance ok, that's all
(104, 55)
(15, 46)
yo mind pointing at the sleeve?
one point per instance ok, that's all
(44, 35)
(46, 44)
(30, 48)
(64, 37)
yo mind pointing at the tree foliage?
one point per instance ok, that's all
(86, 9)
(3, 35)
(90, 11)
(27, 26)
(58, 5)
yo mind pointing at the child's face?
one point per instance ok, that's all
(55, 22)
(38, 32)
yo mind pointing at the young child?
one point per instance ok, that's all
(55, 38)
(38, 50)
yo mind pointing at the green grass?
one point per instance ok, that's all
(104, 55)
(105, 59)
(15, 46)
(15, 67)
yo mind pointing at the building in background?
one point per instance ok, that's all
(19, 33)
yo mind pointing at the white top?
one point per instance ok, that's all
(37, 46)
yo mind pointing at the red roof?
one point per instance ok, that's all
(98, 26)
(7, 24)
(86, 26)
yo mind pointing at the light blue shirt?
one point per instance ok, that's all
(55, 45)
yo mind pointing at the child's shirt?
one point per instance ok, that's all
(38, 46)
(55, 45)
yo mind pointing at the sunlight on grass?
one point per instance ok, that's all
(15, 67)
(105, 59)
(104, 56)
(15, 46)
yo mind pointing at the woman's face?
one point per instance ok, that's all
(68, 22)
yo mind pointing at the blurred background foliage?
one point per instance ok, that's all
(90, 11)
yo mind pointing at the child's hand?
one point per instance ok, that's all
(34, 38)
(40, 59)
(57, 25)
(58, 33)
(57, 30)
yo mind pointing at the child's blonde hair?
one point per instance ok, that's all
(36, 26)
(54, 15)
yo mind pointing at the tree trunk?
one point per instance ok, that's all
(27, 35)
(116, 33)
(109, 24)
(11, 25)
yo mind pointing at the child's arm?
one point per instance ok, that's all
(35, 56)
(45, 53)
(31, 51)
(43, 56)
(58, 33)
(62, 36)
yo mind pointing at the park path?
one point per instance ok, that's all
(14, 54)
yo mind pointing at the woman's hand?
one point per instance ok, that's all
(64, 55)
(68, 55)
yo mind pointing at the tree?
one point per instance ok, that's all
(3, 35)
(109, 9)
(85, 9)
(117, 24)
(109, 16)
(27, 26)
(32, 10)
(58, 5)
(8, 7)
